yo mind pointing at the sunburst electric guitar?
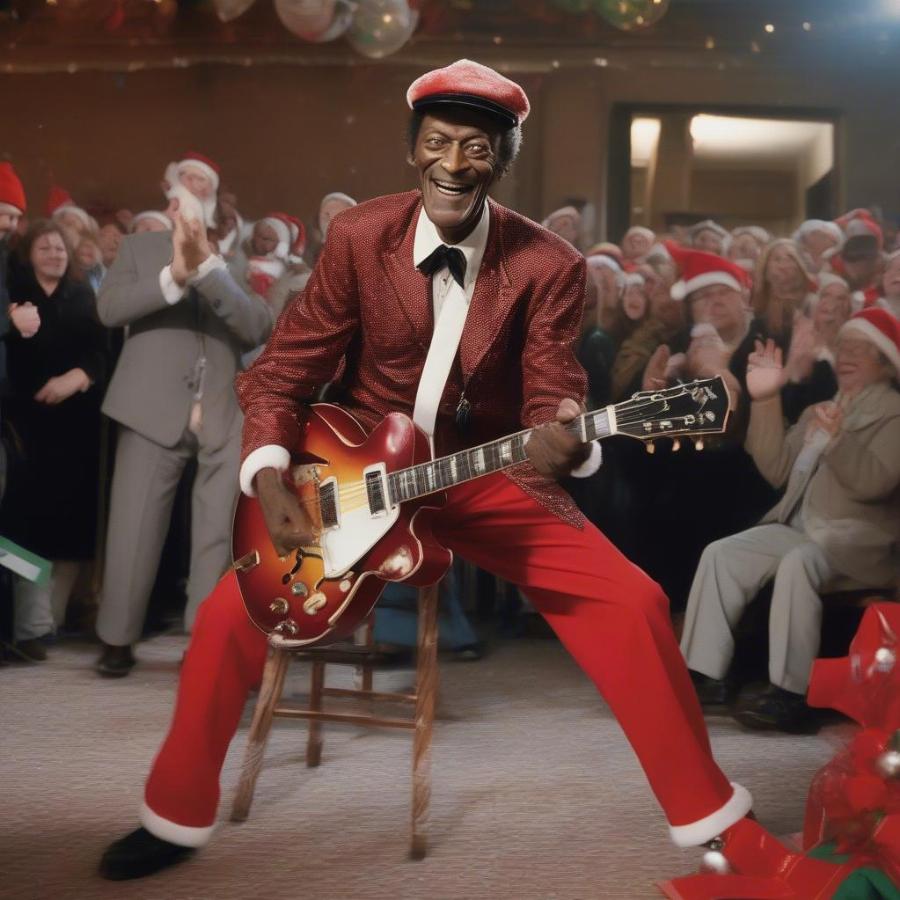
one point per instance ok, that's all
(372, 499)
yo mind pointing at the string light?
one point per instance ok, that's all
(601, 61)
(770, 28)
(710, 43)
(807, 26)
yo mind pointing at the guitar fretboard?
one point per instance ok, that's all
(443, 473)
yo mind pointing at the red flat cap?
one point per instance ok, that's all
(468, 83)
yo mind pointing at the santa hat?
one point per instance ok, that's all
(759, 234)
(279, 224)
(603, 260)
(338, 195)
(825, 280)
(605, 248)
(60, 202)
(561, 213)
(641, 230)
(881, 328)
(700, 269)
(470, 84)
(811, 226)
(154, 214)
(707, 225)
(201, 162)
(630, 279)
(12, 194)
(859, 223)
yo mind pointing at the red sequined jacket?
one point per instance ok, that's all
(368, 307)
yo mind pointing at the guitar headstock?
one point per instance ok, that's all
(693, 409)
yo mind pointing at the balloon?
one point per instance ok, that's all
(305, 18)
(343, 17)
(228, 10)
(631, 15)
(382, 27)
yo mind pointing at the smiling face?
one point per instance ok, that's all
(636, 244)
(456, 156)
(634, 302)
(196, 181)
(721, 306)
(860, 364)
(49, 256)
(709, 240)
(832, 310)
(109, 239)
(783, 272)
(744, 246)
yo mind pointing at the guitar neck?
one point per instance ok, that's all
(466, 465)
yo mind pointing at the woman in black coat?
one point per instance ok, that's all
(56, 364)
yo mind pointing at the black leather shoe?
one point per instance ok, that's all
(778, 710)
(713, 692)
(115, 662)
(140, 854)
(33, 649)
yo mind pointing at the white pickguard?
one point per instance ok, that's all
(357, 533)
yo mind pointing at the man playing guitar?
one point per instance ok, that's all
(463, 315)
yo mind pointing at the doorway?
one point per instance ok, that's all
(670, 167)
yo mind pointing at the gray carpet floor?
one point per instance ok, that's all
(535, 793)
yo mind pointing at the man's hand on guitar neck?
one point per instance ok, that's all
(290, 526)
(552, 450)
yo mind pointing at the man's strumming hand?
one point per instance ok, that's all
(552, 450)
(288, 523)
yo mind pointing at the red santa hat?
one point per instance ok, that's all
(60, 202)
(700, 269)
(859, 223)
(12, 194)
(881, 328)
(468, 83)
(604, 260)
(606, 248)
(201, 162)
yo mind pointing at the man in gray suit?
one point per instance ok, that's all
(172, 394)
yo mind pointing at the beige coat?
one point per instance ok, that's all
(851, 502)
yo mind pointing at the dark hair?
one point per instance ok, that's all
(510, 140)
(36, 230)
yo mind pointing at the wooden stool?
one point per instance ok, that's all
(424, 697)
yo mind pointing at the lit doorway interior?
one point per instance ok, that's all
(739, 170)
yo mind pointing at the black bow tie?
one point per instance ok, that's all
(451, 257)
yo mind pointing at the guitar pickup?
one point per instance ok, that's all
(328, 503)
(376, 492)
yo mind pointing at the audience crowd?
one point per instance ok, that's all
(147, 316)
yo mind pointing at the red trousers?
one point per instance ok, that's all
(607, 612)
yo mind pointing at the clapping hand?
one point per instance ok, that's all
(26, 318)
(829, 417)
(655, 372)
(765, 371)
(802, 352)
(190, 248)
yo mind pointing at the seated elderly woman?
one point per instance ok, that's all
(839, 520)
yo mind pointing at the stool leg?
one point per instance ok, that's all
(314, 737)
(369, 641)
(269, 695)
(426, 694)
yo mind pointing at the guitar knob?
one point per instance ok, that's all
(287, 627)
(676, 445)
(299, 589)
(698, 443)
(650, 447)
(279, 606)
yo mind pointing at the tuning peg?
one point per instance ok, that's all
(651, 447)
(698, 443)
(676, 445)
